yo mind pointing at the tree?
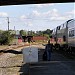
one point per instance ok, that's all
(6, 38)
(22, 32)
(46, 35)
(32, 33)
(48, 31)
(1, 31)
(39, 33)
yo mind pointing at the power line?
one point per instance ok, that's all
(34, 18)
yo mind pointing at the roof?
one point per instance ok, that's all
(18, 2)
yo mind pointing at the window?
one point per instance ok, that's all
(71, 33)
(63, 25)
(58, 28)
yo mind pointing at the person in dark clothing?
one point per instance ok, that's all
(48, 50)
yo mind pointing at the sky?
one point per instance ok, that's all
(36, 16)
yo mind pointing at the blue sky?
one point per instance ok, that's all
(36, 16)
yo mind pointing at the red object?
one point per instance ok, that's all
(39, 38)
(19, 40)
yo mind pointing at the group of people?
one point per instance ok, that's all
(47, 52)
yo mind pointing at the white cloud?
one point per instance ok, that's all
(3, 14)
(36, 13)
(26, 20)
(44, 5)
(30, 24)
(0, 23)
(50, 13)
(53, 14)
(71, 12)
(60, 18)
(55, 10)
(23, 17)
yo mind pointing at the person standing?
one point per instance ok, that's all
(48, 50)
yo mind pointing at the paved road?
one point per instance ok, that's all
(59, 65)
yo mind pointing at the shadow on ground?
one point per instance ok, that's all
(24, 70)
(11, 51)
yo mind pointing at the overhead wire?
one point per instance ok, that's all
(34, 18)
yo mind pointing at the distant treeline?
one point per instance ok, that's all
(7, 36)
(46, 33)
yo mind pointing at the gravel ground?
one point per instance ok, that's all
(10, 64)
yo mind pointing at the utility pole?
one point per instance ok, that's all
(8, 27)
(8, 22)
(14, 30)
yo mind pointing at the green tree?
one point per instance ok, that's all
(48, 31)
(22, 32)
(6, 38)
(32, 33)
(1, 31)
(46, 35)
(40, 33)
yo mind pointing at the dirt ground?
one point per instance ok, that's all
(11, 59)
(11, 62)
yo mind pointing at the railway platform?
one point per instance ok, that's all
(59, 65)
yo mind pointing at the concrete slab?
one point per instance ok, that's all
(51, 68)
(59, 65)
